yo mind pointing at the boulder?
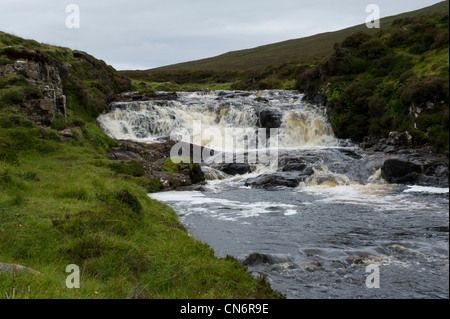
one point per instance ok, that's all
(401, 171)
(260, 259)
(235, 168)
(269, 118)
(269, 181)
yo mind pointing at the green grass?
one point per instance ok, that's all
(66, 203)
(62, 201)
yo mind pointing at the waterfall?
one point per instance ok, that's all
(233, 115)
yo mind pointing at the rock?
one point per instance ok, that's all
(256, 259)
(400, 171)
(260, 259)
(235, 168)
(146, 96)
(45, 78)
(66, 133)
(399, 139)
(269, 118)
(13, 268)
(269, 181)
(294, 167)
(152, 157)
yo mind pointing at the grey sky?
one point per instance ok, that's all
(142, 34)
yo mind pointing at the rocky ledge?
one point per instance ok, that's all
(404, 164)
(154, 160)
(146, 96)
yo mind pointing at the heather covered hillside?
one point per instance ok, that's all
(394, 80)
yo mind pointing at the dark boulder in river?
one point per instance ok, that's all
(279, 179)
(235, 168)
(400, 171)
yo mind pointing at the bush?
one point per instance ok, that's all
(356, 39)
(421, 91)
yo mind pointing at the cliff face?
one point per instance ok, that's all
(54, 83)
(51, 103)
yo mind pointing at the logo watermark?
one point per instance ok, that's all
(73, 280)
(373, 279)
(373, 19)
(228, 145)
(73, 19)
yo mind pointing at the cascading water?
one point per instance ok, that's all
(336, 217)
(300, 124)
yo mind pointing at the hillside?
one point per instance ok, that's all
(272, 66)
(63, 201)
(394, 80)
(308, 48)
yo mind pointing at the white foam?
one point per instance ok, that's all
(381, 197)
(290, 212)
(220, 208)
(426, 189)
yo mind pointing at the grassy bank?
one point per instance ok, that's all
(62, 201)
(65, 203)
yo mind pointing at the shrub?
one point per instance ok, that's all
(356, 39)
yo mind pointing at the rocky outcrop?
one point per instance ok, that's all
(411, 170)
(403, 164)
(146, 96)
(44, 78)
(153, 158)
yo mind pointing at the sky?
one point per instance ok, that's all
(144, 34)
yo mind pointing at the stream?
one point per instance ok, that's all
(316, 218)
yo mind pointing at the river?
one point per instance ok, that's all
(341, 232)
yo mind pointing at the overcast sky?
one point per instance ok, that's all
(143, 34)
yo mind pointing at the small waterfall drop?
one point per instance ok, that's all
(222, 119)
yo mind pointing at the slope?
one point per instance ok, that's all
(313, 47)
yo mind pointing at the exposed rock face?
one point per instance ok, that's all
(146, 96)
(45, 78)
(152, 157)
(403, 164)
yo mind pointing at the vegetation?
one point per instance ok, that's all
(303, 49)
(373, 81)
(395, 80)
(62, 201)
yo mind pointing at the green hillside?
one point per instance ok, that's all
(394, 80)
(63, 202)
(313, 47)
(272, 66)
